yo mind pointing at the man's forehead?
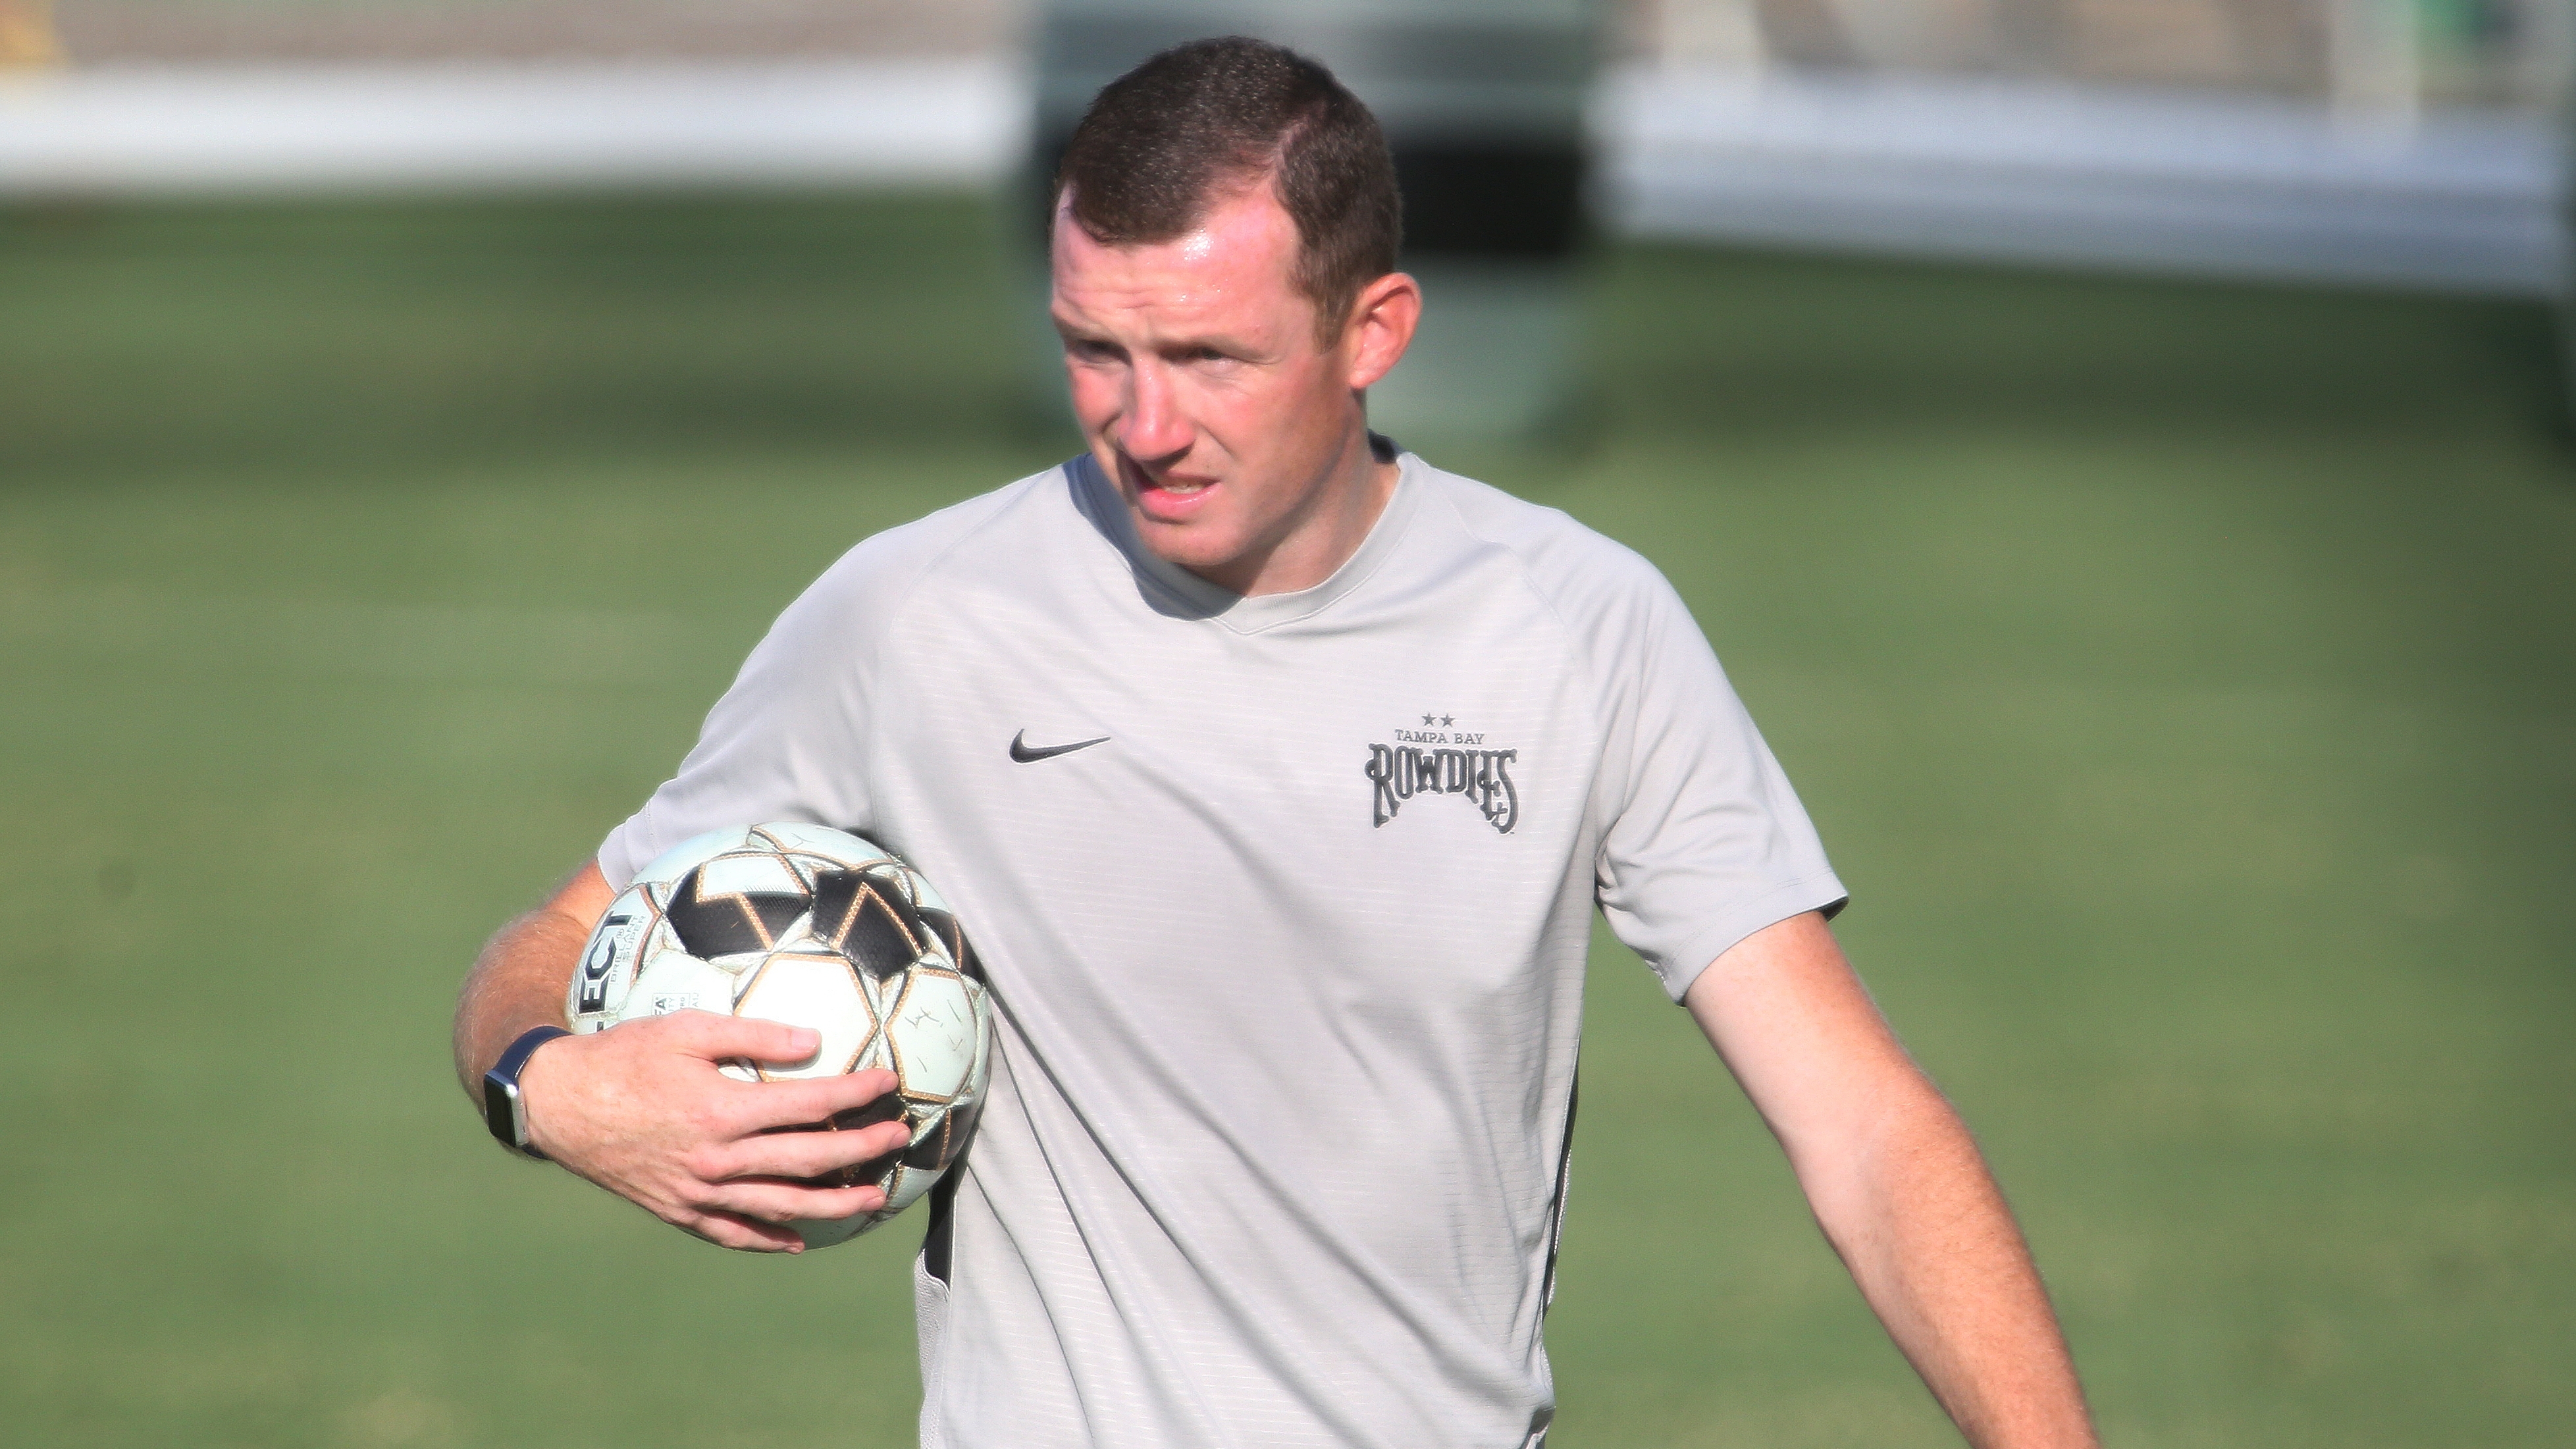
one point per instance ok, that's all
(1243, 250)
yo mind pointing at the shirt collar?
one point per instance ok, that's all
(1195, 597)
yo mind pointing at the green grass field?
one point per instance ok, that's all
(2183, 677)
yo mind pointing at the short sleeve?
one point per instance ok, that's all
(1704, 843)
(786, 742)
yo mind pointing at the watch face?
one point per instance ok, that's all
(501, 1108)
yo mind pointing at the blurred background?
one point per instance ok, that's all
(2119, 447)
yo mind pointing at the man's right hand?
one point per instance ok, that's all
(642, 1110)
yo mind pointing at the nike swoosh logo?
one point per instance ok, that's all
(1026, 753)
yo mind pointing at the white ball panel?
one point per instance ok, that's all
(906, 1189)
(843, 849)
(925, 1123)
(934, 1033)
(674, 980)
(607, 965)
(823, 1233)
(926, 894)
(883, 995)
(799, 936)
(745, 873)
(688, 855)
(820, 991)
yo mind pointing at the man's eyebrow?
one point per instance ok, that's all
(1073, 331)
(1227, 345)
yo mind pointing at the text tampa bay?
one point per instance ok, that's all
(1401, 771)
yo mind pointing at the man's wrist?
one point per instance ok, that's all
(505, 1106)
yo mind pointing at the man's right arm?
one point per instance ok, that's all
(519, 979)
(641, 1109)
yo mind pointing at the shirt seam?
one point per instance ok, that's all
(910, 592)
(908, 595)
(865, 666)
(1526, 574)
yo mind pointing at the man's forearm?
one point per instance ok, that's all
(518, 981)
(1896, 1182)
(1917, 1218)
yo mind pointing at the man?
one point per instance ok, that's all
(1276, 774)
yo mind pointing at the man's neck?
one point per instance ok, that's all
(1345, 510)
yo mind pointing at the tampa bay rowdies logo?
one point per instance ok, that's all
(1440, 759)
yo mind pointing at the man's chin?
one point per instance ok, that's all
(1180, 543)
(1197, 547)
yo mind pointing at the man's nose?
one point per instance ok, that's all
(1154, 426)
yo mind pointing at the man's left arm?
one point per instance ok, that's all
(1897, 1184)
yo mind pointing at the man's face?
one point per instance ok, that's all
(1235, 436)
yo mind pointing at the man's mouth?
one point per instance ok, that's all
(1168, 499)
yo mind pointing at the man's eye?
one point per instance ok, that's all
(1091, 351)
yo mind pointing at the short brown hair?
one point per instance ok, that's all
(1163, 141)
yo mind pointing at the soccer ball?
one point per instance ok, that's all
(814, 927)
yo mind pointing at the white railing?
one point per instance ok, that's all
(2016, 170)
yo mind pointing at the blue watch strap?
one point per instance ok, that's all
(503, 1112)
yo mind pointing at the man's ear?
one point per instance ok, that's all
(1381, 325)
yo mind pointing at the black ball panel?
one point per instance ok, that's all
(857, 914)
(943, 925)
(836, 897)
(940, 1146)
(896, 887)
(724, 925)
(883, 1109)
(875, 935)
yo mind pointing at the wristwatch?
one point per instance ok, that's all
(503, 1111)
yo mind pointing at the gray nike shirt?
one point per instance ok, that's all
(1289, 963)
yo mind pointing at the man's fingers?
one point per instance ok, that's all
(717, 1037)
(728, 1230)
(856, 1100)
(769, 1202)
(809, 1154)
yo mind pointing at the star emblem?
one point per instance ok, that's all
(1447, 720)
(1426, 719)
